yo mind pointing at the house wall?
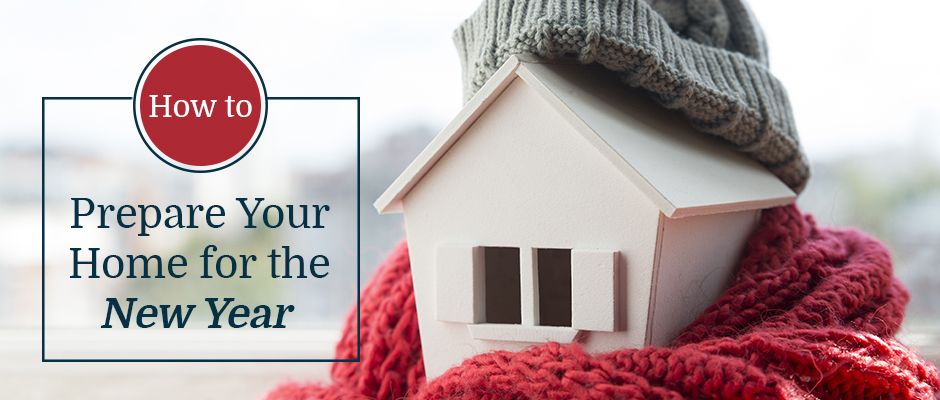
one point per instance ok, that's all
(698, 259)
(522, 177)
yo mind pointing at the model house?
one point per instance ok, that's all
(562, 205)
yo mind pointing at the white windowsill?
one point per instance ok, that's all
(213, 344)
(520, 333)
(24, 376)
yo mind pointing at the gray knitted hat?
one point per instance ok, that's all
(706, 58)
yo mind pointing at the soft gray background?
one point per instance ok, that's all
(862, 80)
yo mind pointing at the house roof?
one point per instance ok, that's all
(682, 171)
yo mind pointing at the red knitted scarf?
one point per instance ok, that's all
(811, 315)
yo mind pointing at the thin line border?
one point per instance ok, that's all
(358, 242)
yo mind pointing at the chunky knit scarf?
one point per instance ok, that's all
(811, 314)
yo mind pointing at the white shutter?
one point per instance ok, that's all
(459, 280)
(594, 290)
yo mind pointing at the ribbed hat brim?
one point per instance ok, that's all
(724, 93)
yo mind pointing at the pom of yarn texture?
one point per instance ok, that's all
(811, 314)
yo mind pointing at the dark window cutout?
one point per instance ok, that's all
(503, 293)
(554, 269)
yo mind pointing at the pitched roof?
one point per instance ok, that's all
(682, 171)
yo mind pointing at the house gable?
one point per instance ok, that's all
(521, 177)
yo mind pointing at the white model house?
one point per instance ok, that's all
(562, 205)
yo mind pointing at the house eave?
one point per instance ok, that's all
(672, 204)
(729, 207)
(390, 201)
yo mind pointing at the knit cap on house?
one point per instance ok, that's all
(705, 58)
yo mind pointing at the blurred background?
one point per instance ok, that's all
(862, 81)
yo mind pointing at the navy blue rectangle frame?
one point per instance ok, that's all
(358, 244)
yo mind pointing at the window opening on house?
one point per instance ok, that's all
(502, 285)
(554, 276)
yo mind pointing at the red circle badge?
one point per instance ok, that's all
(200, 105)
